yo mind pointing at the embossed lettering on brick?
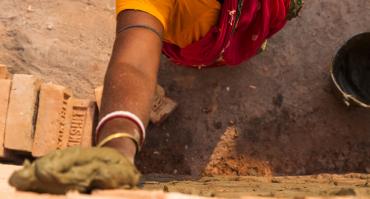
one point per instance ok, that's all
(81, 123)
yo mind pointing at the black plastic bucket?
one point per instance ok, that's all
(350, 70)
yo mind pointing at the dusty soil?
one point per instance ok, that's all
(289, 186)
(236, 186)
(273, 115)
(288, 120)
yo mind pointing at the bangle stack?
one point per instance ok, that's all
(125, 115)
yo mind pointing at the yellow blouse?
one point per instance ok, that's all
(184, 21)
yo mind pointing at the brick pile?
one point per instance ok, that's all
(38, 117)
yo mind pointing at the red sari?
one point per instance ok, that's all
(242, 28)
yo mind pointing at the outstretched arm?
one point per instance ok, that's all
(131, 76)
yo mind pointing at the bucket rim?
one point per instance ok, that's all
(347, 98)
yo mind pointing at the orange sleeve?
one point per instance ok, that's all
(184, 21)
(160, 9)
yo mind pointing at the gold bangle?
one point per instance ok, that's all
(120, 135)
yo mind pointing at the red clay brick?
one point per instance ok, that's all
(162, 106)
(22, 110)
(318, 197)
(80, 124)
(184, 196)
(83, 115)
(136, 194)
(257, 197)
(63, 121)
(51, 119)
(4, 73)
(4, 102)
(163, 110)
(29, 195)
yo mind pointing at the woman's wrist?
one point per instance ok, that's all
(125, 146)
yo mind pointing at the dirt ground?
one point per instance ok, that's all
(287, 186)
(274, 115)
(322, 185)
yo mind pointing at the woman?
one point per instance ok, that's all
(196, 33)
(201, 33)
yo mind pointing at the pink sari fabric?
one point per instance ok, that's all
(238, 36)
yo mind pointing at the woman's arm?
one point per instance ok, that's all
(131, 76)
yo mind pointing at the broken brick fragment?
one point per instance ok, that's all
(162, 106)
(162, 110)
(22, 111)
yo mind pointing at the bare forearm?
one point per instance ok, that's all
(129, 89)
(131, 77)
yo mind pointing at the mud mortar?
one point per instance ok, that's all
(288, 120)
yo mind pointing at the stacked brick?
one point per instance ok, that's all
(63, 121)
(37, 117)
(5, 84)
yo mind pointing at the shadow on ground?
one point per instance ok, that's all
(288, 120)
